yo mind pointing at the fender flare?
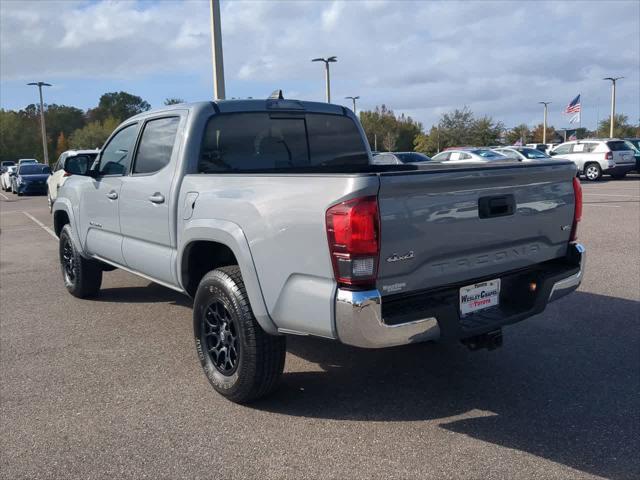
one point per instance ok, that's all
(232, 236)
(64, 205)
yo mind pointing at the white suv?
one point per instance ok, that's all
(595, 157)
(83, 160)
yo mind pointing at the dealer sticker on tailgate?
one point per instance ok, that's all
(479, 296)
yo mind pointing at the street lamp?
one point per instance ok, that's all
(216, 51)
(354, 102)
(326, 61)
(44, 130)
(613, 102)
(544, 123)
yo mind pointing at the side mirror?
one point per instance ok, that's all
(79, 165)
(552, 153)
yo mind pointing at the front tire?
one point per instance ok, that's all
(241, 361)
(592, 172)
(82, 277)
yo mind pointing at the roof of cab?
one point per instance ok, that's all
(249, 105)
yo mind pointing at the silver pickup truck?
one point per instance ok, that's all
(270, 215)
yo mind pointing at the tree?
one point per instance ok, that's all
(621, 127)
(93, 135)
(429, 144)
(20, 135)
(62, 119)
(397, 132)
(173, 101)
(61, 146)
(118, 105)
(520, 132)
(536, 135)
(485, 132)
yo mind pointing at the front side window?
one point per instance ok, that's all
(156, 145)
(442, 157)
(116, 156)
(262, 141)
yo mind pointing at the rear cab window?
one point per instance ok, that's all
(264, 141)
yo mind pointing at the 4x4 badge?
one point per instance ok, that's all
(397, 258)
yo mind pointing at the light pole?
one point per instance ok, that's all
(613, 102)
(354, 102)
(544, 123)
(326, 61)
(216, 51)
(42, 126)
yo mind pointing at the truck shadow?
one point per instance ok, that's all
(565, 386)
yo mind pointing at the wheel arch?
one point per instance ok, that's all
(208, 244)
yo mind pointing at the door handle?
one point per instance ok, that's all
(112, 195)
(157, 198)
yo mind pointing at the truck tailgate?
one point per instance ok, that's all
(442, 227)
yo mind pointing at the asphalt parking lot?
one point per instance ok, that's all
(112, 388)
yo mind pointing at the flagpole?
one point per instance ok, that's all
(580, 117)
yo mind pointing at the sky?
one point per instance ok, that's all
(419, 58)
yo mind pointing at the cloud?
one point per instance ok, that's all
(423, 58)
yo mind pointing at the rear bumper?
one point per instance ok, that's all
(360, 321)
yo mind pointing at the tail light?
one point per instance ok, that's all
(353, 231)
(66, 174)
(608, 156)
(577, 213)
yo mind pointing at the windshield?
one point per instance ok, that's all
(273, 141)
(634, 145)
(533, 153)
(488, 154)
(412, 157)
(31, 169)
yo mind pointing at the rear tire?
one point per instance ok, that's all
(592, 172)
(241, 361)
(82, 277)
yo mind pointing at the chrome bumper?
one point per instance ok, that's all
(359, 323)
(567, 285)
(359, 319)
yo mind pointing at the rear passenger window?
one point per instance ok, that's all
(590, 147)
(563, 149)
(156, 145)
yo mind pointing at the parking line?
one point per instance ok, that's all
(42, 225)
(609, 195)
(4, 196)
(600, 205)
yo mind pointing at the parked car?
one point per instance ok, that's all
(272, 217)
(82, 159)
(523, 154)
(5, 178)
(399, 158)
(543, 147)
(30, 178)
(597, 157)
(5, 164)
(635, 144)
(469, 155)
(22, 161)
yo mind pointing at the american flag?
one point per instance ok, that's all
(574, 109)
(573, 136)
